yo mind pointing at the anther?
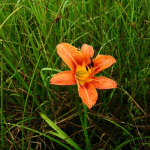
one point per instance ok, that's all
(89, 66)
(92, 63)
(86, 68)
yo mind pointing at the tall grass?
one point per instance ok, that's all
(37, 115)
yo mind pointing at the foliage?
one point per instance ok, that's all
(29, 33)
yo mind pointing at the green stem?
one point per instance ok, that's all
(85, 126)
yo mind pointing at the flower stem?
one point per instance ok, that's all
(85, 128)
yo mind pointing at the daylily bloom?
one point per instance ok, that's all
(83, 68)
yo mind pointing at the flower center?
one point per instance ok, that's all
(83, 73)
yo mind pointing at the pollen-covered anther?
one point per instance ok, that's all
(86, 68)
(92, 63)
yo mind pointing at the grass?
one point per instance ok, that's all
(37, 115)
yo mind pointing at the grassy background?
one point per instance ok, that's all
(37, 115)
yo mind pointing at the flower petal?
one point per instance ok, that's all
(88, 94)
(70, 55)
(87, 53)
(102, 62)
(103, 83)
(63, 78)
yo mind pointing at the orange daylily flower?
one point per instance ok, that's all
(83, 68)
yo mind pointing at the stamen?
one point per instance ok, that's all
(92, 63)
(86, 68)
(89, 66)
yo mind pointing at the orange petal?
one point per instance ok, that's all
(87, 53)
(103, 83)
(63, 78)
(102, 62)
(70, 55)
(88, 94)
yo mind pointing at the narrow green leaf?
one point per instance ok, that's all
(59, 133)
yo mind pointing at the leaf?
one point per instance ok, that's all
(59, 133)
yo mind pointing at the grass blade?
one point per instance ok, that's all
(59, 133)
(1, 108)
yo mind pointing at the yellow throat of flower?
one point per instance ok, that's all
(83, 74)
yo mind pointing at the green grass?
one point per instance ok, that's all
(37, 115)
